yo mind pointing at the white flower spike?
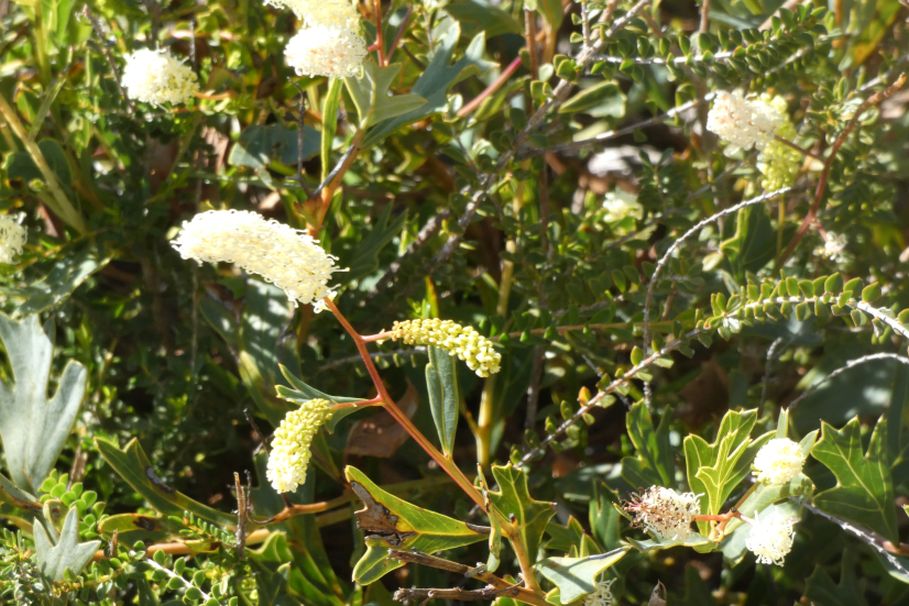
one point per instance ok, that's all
(771, 535)
(331, 13)
(288, 258)
(741, 122)
(154, 76)
(602, 594)
(665, 512)
(778, 461)
(325, 50)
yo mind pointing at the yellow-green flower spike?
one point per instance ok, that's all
(464, 342)
(289, 456)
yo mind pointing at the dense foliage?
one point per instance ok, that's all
(612, 291)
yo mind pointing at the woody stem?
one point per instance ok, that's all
(395, 411)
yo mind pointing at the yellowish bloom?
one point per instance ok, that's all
(778, 461)
(743, 122)
(154, 76)
(464, 342)
(290, 454)
(12, 239)
(287, 257)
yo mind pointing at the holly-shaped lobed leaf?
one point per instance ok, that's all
(864, 485)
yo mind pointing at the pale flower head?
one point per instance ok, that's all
(12, 239)
(464, 342)
(602, 594)
(287, 257)
(833, 248)
(290, 454)
(330, 13)
(324, 50)
(154, 76)
(778, 461)
(744, 123)
(665, 512)
(771, 535)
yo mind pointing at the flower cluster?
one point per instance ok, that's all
(771, 535)
(602, 594)
(778, 461)
(329, 44)
(322, 50)
(833, 248)
(746, 122)
(289, 456)
(290, 259)
(154, 76)
(12, 239)
(330, 13)
(665, 512)
(464, 342)
(741, 122)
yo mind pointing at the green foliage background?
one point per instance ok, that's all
(488, 213)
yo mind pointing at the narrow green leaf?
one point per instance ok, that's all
(132, 464)
(444, 396)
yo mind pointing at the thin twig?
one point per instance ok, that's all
(846, 367)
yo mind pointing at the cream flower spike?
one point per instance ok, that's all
(330, 13)
(287, 257)
(665, 512)
(771, 535)
(325, 50)
(742, 122)
(154, 76)
(290, 454)
(464, 342)
(778, 461)
(12, 239)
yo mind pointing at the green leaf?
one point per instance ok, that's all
(300, 392)
(273, 145)
(715, 469)
(364, 259)
(444, 396)
(476, 17)
(389, 521)
(864, 487)
(439, 76)
(371, 96)
(602, 100)
(652, 462)
(753, 244)
(576, 577)
(520, 516)
(330, 109)
(58, 553)
(132, 464)
(68, 272)
(34, 429)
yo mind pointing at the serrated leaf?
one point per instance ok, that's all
(57, 554)
(393, 522)
(715, 469)
(67, 273)
(444, 395)
(520, 516)
(132, 464)
(33, 428)
(576, 577)
(864, 486)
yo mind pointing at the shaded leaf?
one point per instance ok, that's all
(444, 395)
(132, 464)
(864, 486)
(525, 518)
